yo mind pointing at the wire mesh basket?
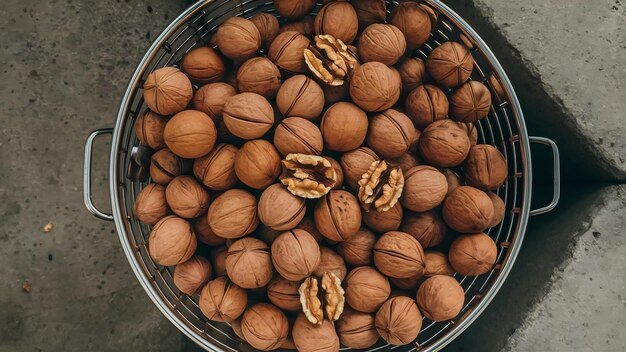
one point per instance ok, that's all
(504, 128)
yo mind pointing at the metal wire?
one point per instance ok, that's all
(504, 128)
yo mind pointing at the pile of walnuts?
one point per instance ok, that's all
(335, 178)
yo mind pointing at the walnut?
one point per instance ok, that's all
(424, 188)
(357, 329)
(398, 320)
(338, 215)
(171, 241)
(303, 26)
(413, 21)
(205, 234)
(332, 262)
(295, 254)
(381, 186)
(406, 162)
(203, 65)
(286, 52)
(308, 176)
(428, 228)
(436, 264)
(329, 60)
(191, 275)
(440, 298)
(300, 96)
(468, 210)
(473, 254)
(257, 164)
(233, 214)
(425, 105)
(452, 178)
(238, 38)
(498, 209)
(314, 338)
(355, 163)
(470, 102)
(413, 73)
(248, 115)
(216, 170)
(279, 209)
(384, 221)
(293, 9)
(167, 91)
(338, 19)
(390, 134)
(407, 284)
(264, 326)
(485, 167)
(259, 75)
(186, 197)
(369, 12)
(308, 224)
(150, 204)
(338, 172)
(210, 99)
(149, 128)
(366, 289)
(472, 132)
(398, 254)
(268, 26)
(383, 43)
(249, 263)
(218, 259)
(221, 300)
(190, 134)
(444, 143)
(375, 87)
(322, 298)
(344, 127)
(298, 135)
(450, 64)
(357, 250)
(284, 293)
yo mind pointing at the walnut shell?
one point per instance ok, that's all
(357, 251)
(344, 127)
(437, 264)
(338, 215)
(298, 135)
(222, 300)
(248, 115)
(150, 204)
(440, 298)
(468, 210)
(286, 52)
(414, 23)
(233, 214)
(369, 12)
(383, 43)
(203, 65)
(338, 172)
(171, 241)
(264, 326)
(205, 234)
(498, 209)
(397, 254)
(314, 338)
(406, 284)
(485, 167)
(190, 134)
(192, 275)
(424, 188)
(390, 134)
(167, 91)
(384, 221)
(366, 289)
(473, 254)
(279, 209)
(295, 254)
(453, 179)
(412, 73)
(218, 259)
(268, 26)
(238, 38)
(450, 64)
(355, 163)
(284, 293)
(210, 99)
(257, 164)
(425, 105)
(470, 102)
(259, 75)
(428, 228)
(375, 87)
(407, 161)
(338, 19)
(472, 132)
(186, 197)
(294, 9)
(303, 26)
(332, 262)
(300, 96)
(444, 143)
(308, 224)
(149, 128)
(249, 263)
(357, 329)
(165, 165)
(216, 170)
(398, 320)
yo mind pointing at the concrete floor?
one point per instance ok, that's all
(65, 64)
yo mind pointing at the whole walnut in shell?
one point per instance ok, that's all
(295, 254)
(264, 326)
(412, 72)
(205, 234)
(279, 209)
(167, 91)
(355, 163)
(414, 23)
(375, 87)
(407, 284)
(248, 115)
(357, 329)
(150, 204)
(249, 263)
(384, 221)
(428, 228)
(190, 134)
(338, 215)
(472, 132)
(470, 102)
(257, 164)
(298, 135)
(186, 197)
(238, 38)
(171, 241)
(338, 19)
(453, 179)
(383, 43)
(165, 165)
(473, 254)
(444, 143)
(440, 298)
(149, 127)
(222, 300)
(218, 259)
(366, 289)
(233, 214)
(369, 12)
(425, 105)
(390, 133)
(286, 52)
(450, 64)
(498, 209)
(203, 65)
(338, 172)
(259, 75)
(314, 338)
(216, 170)
(332, 262)
(397, 254)
(294, 9)
(407, 161)
(191, 275)
(284, 293)
(485, 167)
(468, 210)
(210, 99)
(300, 96)
(268, 26)
(436, 264)
(398, 320)
(357, 251)
(344, 127)
(308, 224)
(303, 26)
(424, 188)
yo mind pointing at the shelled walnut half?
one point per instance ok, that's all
(308, 176)
(381, 186)
(322, 298)
(330, 60)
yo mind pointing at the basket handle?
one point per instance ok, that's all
(557, 175)
(87, 175)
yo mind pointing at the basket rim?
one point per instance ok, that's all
(444, 339)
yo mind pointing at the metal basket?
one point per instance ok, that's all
(504, 128)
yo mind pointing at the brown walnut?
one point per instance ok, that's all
(425, 105)
(186, 197)
(295, 254)
(221, 300)
(233, 214)
(332, 262)
(357, 251)
(257, 164)
(384, 221)
(308, 176)
(286, 52)
(344, 127)
(303, 26)
(485, 167)
(210, 99)
(440, 298)
(238, 38)
(398, 320)
(329, 60)
(381, 186)
(470, 102)
(308, 224)
(149, 128)
(205, 234)
(357, 329)
(294, 9)
(171, 241)
(249, 263)
(165, 165)
(322, 298)
(413, 21)
(192, 275)
(284, 293)
(499, 209)
(218, 259)
(424, 188)
(190, 134)
(203, 65)
(167, 91)
(453, 179)
(338, 19)
(407, 161)
(437, 264)
(314, 338)
(150, 204)
(279, 209)
(428, 228)
(338, 172)
(300, 96)
(366, 289)
(407, 284)
(369, 12)
(248, 115)
(468, 210)
(450, 64)
(473, 254)
(444, 143)
(259, 75)
(268, 26)
(264, 326)
(216, 170)
(398, 254)
(383, 43)
(355, 163)
(375, 87)
(338, 215)
(413, 73)
(390, 134)
(298, 135)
